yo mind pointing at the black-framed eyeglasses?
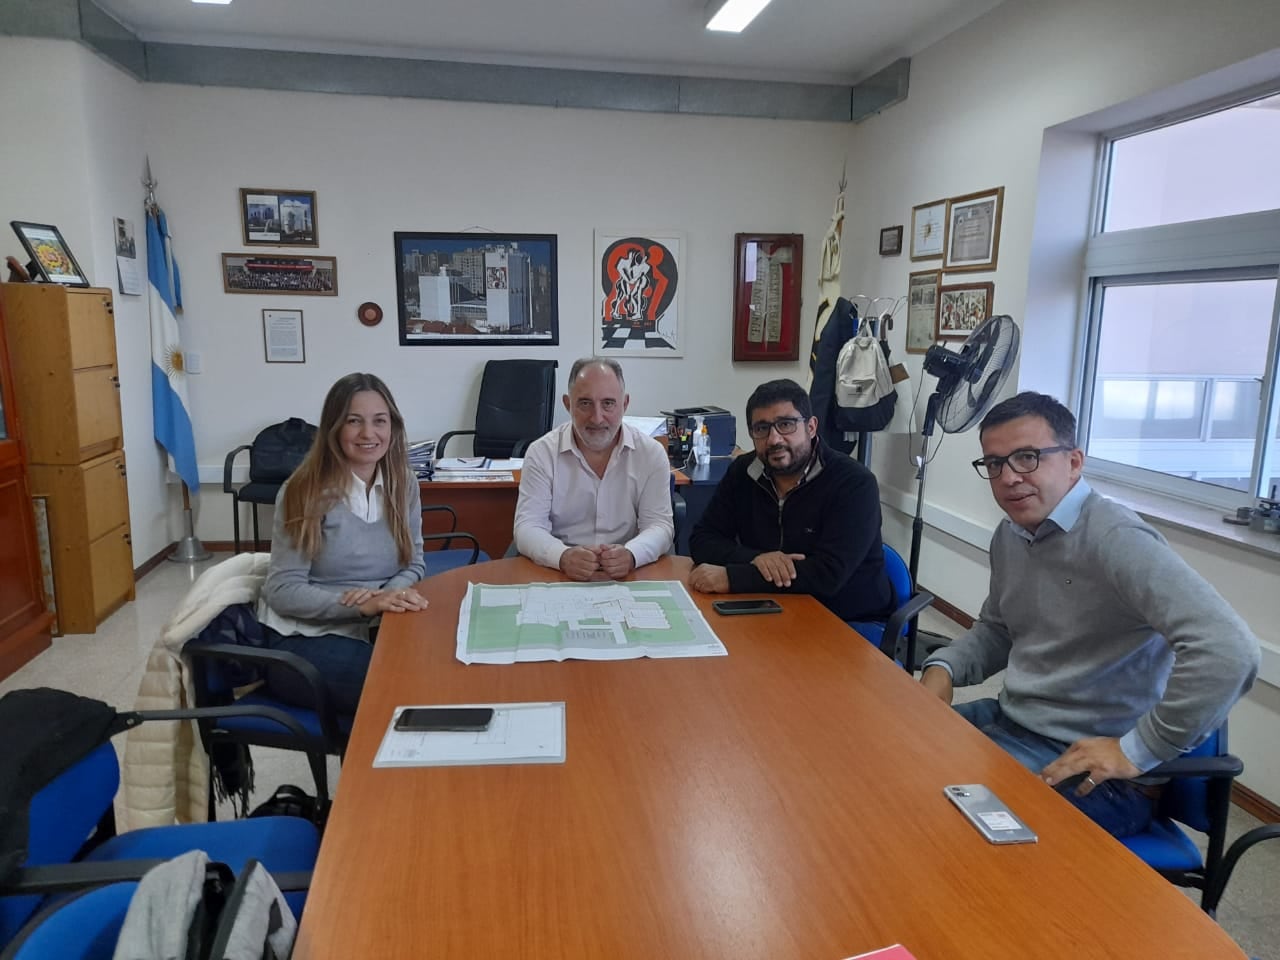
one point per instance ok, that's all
(784, 425)
(1020, 461)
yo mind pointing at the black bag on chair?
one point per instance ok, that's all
(278, 449)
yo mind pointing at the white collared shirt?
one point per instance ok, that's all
(563, 503)
(364, 501)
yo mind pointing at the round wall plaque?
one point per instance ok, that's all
(369, 313)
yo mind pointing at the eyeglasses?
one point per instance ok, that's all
(1020, 461)
(784, 425)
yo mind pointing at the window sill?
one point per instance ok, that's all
(1191, 517)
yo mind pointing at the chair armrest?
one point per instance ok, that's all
(439, 454)
(227, 465)
(1224, 765)
(64, 877)
(218, 713)
(448, 537)
(899, 619)
(235, 653)
(521, 446)
(443, 506)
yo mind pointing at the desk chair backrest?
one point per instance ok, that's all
(517, 400)
(894, 632)
(278, 450)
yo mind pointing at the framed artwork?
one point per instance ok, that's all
(891, 241)
(300, 276)
(973, 231)
(282, 339)
(766, 295)
(922, 309)
(49, 254)
(928, 227)
(477, 288)
(638, 296)
(278, 218)
(962, 307)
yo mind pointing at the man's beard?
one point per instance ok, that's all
(797, 465)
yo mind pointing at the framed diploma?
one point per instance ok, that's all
(928, 225)
(973, 231)
(282, 336)
(766, 295)
(922, 309)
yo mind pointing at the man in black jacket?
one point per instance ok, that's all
(795, 516)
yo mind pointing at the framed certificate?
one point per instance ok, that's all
(928, 226)
(282, 336)
(973, 231)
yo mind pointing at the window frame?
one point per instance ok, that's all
(1236, 247)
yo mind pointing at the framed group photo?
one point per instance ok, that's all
(477, 288)
(962, 307)
(301, 276)
(278, 218)
(973, 231)
(767, 270)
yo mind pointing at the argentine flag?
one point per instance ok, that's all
(168, 368)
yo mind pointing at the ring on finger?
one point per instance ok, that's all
(1091, 782)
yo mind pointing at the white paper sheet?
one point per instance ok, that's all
(518, 733)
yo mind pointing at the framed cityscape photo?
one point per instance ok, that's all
(477, 289)
(300, 276)
(278, 218)
(766, 295)
(973, 231)
(49, 253)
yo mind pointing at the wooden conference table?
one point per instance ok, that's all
(784, 801)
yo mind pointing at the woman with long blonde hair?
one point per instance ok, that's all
(346, 545)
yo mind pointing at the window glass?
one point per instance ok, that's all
(1217, 165)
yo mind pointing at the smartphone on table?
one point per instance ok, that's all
(731, 608)
(434, 719)
(988, 813)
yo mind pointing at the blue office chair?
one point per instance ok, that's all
(893, 636)
(78, 803)
(447, 557)
(1197, 795)
(1213, 891)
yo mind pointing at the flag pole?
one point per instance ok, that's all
(189, 549)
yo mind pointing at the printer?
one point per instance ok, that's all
(722, 429)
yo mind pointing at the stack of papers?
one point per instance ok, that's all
(518, 733)
(478, 465)
(421, 453)
(649, 426)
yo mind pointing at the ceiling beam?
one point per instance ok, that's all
(84, 21)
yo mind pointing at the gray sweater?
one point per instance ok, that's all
(352, 553)
(1105, 631)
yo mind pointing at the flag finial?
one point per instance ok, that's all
(149, 182)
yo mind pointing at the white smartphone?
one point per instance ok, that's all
(988, 813)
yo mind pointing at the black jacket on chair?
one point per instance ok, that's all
(841, 326)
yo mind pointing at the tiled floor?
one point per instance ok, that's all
(108, 665)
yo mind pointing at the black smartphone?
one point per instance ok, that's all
(427, 719)
(734, 607)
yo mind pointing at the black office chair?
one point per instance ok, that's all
(273, 456)
(1214, 889)
(517, 400)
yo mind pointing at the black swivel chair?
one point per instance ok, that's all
(274, 454)
(517, 399)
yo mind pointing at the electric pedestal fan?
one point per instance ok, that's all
(968, 382)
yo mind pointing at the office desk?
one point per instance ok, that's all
(781, 803)
(486, 510)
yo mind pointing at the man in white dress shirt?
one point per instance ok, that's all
(595, 493)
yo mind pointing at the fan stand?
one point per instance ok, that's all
(917, 522)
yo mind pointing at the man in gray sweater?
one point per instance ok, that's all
(1118, 655)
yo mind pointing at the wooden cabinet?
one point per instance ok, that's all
(24, 621)
(64, 348)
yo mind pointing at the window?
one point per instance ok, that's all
(1180, 362)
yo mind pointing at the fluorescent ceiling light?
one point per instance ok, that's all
(220, 2)
(732, 16)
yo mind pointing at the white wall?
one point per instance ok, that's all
(981, 101)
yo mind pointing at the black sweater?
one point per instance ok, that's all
(833, 518)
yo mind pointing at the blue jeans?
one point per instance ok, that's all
(1120, 807)
(342, 662)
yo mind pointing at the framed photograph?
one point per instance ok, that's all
(282, 339)
(922, 309)
(477, 288)
(128, 271)
(48, 251)
(639, 295)
(973, 231)
(299, 276)
(891, 241)
(928, 227)
(962, 307)
(278, 218)
(766, 295)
